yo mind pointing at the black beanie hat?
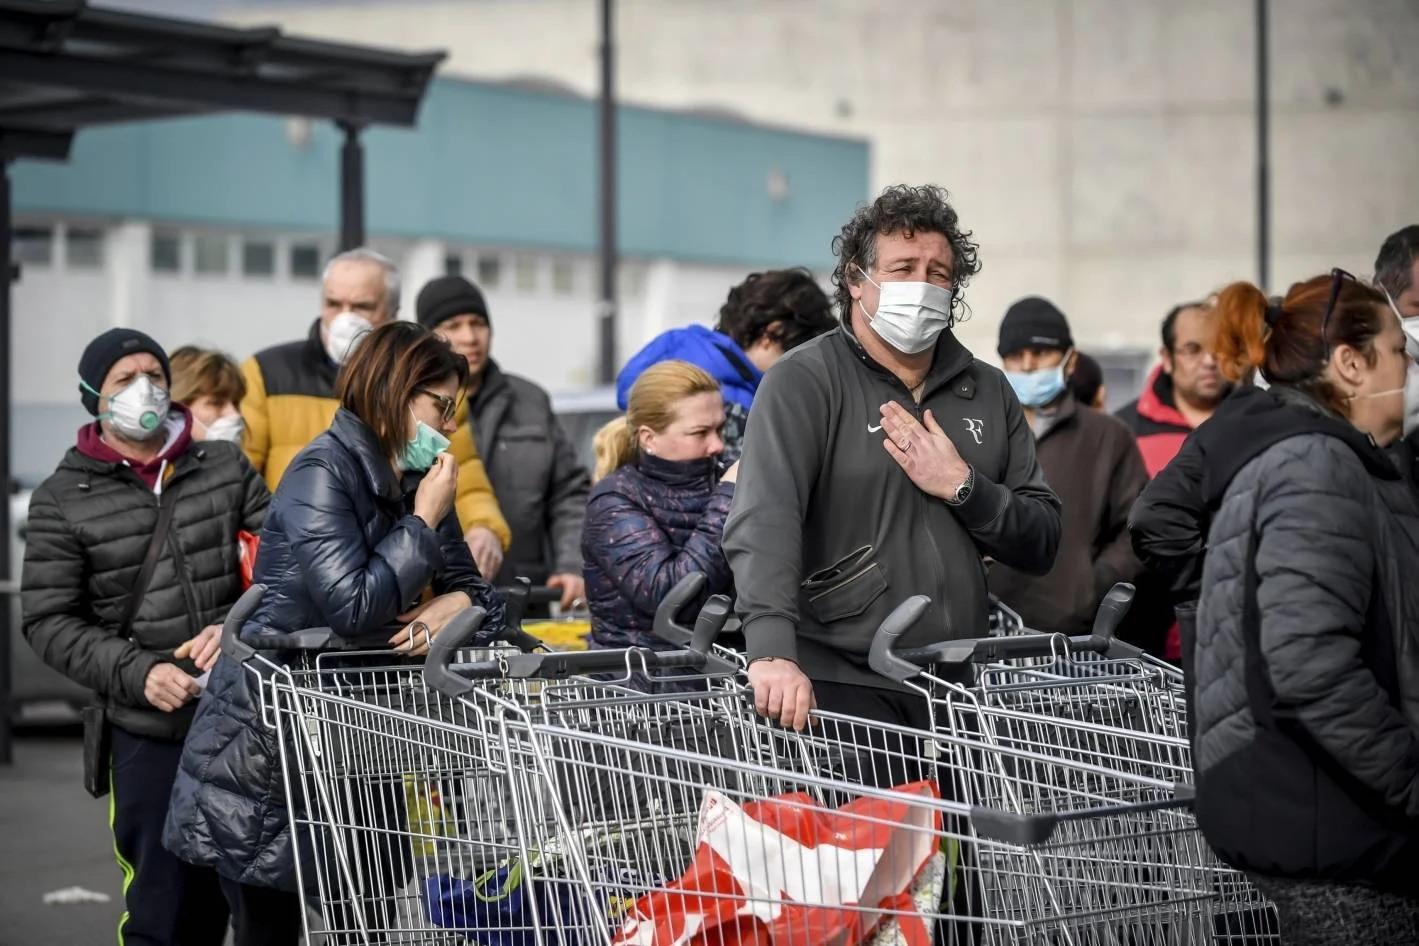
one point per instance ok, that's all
(107, 349)
(1033, 323)
(448, 297)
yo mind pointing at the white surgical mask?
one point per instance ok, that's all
(910, 316)
(137, 411)
(228, 427)
(343, 334)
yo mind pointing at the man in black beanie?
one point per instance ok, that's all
(508, 420)
(1090, 460)
(130, 567)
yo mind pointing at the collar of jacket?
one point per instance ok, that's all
(1255, 420)
(1059, 414)
(949, 359)
(494, 383)
(355, 436)
(315, 357)
(676, 472)
(180, 464)
(1158, 402)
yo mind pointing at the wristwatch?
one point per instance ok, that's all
(963, 492)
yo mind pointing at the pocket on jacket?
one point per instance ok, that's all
(526, 433)
(846, 588)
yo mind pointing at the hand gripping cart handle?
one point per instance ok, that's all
(317, 638)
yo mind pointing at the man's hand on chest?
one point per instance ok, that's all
(924, 451)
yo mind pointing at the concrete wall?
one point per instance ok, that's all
(1102, 150)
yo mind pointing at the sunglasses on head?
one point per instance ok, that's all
(448, 406)
(1337, 280)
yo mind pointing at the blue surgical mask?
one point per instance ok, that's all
(1040, 388)
(420, 453)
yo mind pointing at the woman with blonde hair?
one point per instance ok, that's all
(210, 385)
(656, 510)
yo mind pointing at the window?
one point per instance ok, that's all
(210, 254)
(166, 252)
(490, 271)
(33, 245)
(258, 258)
(305, 261)
(525, 274)
(453, 265)
(83, 248)
(563, 277)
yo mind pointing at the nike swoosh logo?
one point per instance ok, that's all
(873, 430)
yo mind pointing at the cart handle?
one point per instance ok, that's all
(522, 593)
(711, 620)
(901, 665)
(1025, 830)
(451, 681)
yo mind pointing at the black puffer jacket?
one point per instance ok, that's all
(340, 549)
(90, 525)
(1307, 658)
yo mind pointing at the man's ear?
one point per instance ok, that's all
(1167, 358)
(1070, 363)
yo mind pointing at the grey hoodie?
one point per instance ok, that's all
(827, 534)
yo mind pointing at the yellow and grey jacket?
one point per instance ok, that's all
(290, 400)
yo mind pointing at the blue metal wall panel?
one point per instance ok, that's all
(488, 164)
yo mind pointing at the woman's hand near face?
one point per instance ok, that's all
(434, 498)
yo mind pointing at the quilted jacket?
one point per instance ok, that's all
(648, 525)
(90, 526)
(1307, 660)
(340, 549)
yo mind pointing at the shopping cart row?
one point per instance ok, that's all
(513, 795)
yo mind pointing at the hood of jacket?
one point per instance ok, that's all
(1158, 402)
(1256, 420)
(713, 351)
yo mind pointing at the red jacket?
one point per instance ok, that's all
(1156, 421)
(1161, 429)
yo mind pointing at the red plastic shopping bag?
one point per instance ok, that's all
(246, 556)
(788, 871)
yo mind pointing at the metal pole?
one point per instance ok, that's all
(352, 188)
(7, 750)
(1263, 148)
(606, 310)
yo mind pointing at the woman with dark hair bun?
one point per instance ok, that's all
(360, 526)
(1305, 665)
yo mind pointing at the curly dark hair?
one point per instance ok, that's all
(790, 297)
(903, 209)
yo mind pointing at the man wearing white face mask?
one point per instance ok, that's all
(1090, 459)
(130, 566)
(291, 388)
(881, 461)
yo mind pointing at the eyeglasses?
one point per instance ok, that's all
(447, 405)
(1337, 279)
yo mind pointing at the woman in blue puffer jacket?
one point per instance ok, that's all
(360, 526)
(656, 511)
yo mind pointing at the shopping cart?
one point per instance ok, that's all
(637, 786)
(1092, 699)
(366, 748)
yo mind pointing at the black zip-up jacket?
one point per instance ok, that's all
(90, 524)
(827, 534)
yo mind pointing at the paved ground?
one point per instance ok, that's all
(54, 837)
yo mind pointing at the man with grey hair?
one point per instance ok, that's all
(290, 388)
(1397, 270)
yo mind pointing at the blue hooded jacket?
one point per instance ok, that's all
(716, 353)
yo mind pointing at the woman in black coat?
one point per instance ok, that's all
(361, 524)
